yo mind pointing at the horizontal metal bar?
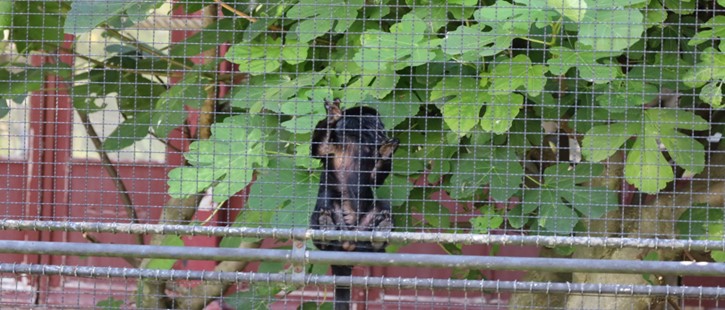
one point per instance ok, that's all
(483, 286)
(393, 237)
(369, 259)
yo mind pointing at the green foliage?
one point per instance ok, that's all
(651, 256)
(6, 10)
(498, 168)
(489, 219)
(561, 201)
(86, 15)
(703, 223)
(465, 85)
(226, 162)
(647, 168)
(165, 263)
(109, 304)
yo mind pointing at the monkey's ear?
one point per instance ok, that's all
(389, 147)
(334, 112)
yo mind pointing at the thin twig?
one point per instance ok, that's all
(235, 11)
(165, 142)
(111, 170)
(142, 47)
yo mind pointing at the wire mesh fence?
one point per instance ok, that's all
(379, 154)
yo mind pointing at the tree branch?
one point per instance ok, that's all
(111, 170)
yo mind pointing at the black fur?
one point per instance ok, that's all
(357, 157)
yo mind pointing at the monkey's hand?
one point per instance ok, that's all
(378, 219)
(327, 216)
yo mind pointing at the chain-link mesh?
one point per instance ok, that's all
(520, 154)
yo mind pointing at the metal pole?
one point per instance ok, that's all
(393, 237)
(368, 259)
(370, 282)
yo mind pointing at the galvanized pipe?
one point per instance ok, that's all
(393, 237)
(368, 259)
(369, 282)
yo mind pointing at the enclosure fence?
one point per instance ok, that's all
(377, 154)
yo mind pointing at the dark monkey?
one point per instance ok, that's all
(357, 157)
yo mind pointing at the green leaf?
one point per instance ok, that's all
(256, 59)
(623, 28)
(128, 132)
(559, 193)
(488, 220)
(603, 141)
(466, 39)
(461, 116)
(662, 119)
(499, 168)
(718, 256)
(185, 181)
(4, 108)
(616, 3)
(651, 256)
(586, 62)
(687, 152)
(224, 30)
(717, 30)
(309, 29)
(403, 42)
(500, 11)
(501, 112)
(655, 14)
(646, 168)
(701, 223)
(307, 102)
(706, 70)
(556, 217)
(6, 11)
(225, 162)
(384, 84)
(169, 112)
(139, 11)
(16, 86)
(680, 7)
(110, 304)
(294, 52)
(395, 189)
(86, 15)
(163, 263)
(593, 202)
(258, 297)
(397, 108)
(519, 215)
(461, 87)
(301, 124)
(626, 93)
(711, 94)
(516, 74)
(435, 16)
(278, 185)
(268, 91)
(37, 25)
(315, 306)
(563, 177)
(320, 17)
(573, 9)
(668, 69)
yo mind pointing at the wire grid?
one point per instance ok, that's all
(526, 129)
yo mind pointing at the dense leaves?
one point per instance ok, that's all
(703, 223)
(480, 94)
